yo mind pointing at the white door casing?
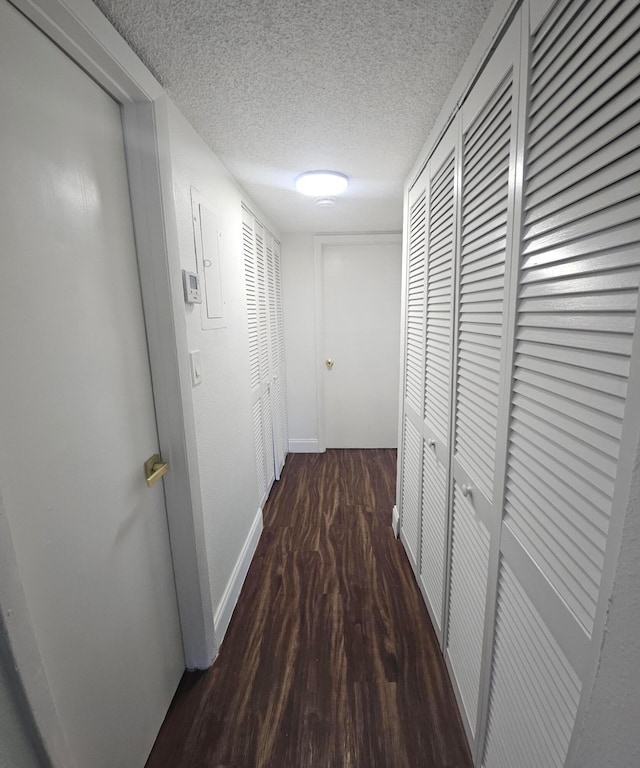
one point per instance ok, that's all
(358, 319)
(90, 540)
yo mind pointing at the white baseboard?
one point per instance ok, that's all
(234, 585)
(303, 446)
(395, 521)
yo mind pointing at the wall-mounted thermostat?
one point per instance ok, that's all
(191, 283)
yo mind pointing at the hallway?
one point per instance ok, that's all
(330, 659)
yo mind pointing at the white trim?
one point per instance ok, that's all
(151, 186)
(304, 446)
(236, 580)
(395, 521)
(319, 241)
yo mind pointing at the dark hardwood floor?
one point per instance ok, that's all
(330, 660)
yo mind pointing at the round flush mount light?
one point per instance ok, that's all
(321, 183)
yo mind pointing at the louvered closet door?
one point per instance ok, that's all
(410, 495)
(442, 213)
(256, 297)
(577, 304)
(264, 260)
(278, 377)
(482, 356)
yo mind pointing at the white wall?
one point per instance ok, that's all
(610, 732)
(298, 300)
(221, 402)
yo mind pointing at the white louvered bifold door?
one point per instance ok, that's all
(439, 271)
(266, 350)
(280, 429)
(482, 358)
(254, 325)
(411, 454)
(275, 405)
(262, 282)
(577, 303)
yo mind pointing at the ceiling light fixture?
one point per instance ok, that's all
(321, 183)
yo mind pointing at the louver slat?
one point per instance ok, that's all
(535, 692)
(578, 295)
(486, 152)
(439, 300)
(469, 569)
(411, 484)
(434, 531)
(414, 378)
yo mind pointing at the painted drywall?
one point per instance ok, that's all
(221, 402)
(18, 740)
(298, 302)
(609, 735)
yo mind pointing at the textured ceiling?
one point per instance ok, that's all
(277, 87)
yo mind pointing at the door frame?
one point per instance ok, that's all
(80, 30)
(319, 242)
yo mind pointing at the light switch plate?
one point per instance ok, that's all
(196, 367)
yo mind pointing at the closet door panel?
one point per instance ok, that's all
(486, 153)
(469, 573)
(263, 253)
(280, 396)
(441, 240)
(489, 130)
(411, 490)
(579, 272)
(411, 457)
(414, 374)
(439, 272)
(535, 691)
(266, 350)
(434, 533)
(250, 240)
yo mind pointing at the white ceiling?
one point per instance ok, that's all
(277, 87)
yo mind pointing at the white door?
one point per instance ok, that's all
(76, 408)
(361, 330)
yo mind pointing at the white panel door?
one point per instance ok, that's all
(77, 416)
(361, 310)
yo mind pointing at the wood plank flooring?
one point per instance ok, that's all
(330, 660)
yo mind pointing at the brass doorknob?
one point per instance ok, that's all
(154, 469)
(329, 363)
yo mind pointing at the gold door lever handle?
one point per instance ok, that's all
(154, 469)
